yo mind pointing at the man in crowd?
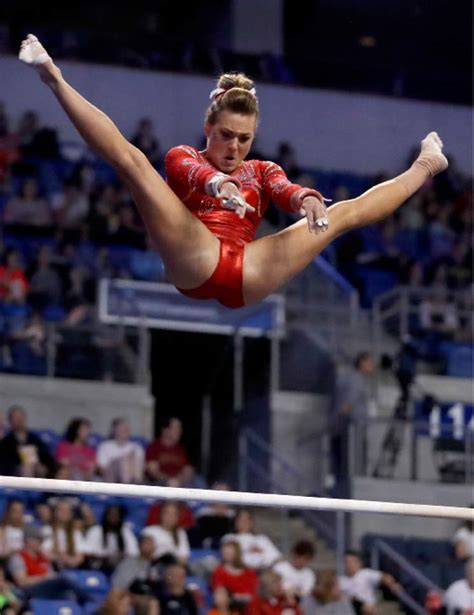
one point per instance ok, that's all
(296, 575)
(23, 453)
(460, 595)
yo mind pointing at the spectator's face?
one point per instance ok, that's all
(273, 585)
(175, 577)
(229, 140)
(122, 431)
(18, 419)
(83, 432)
(147, 547)
(301, 561)
(173, 432)
(43, 512)
(33, 544)
(243, 523)
(221, 598)
(63, 512)
(352, 564)
(228, 553)
(16, 512)
(367, 366)
(169, 516)
(113, 516)
(87, 515)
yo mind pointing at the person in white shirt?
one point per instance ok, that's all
(258, 551)
(108, 543)
(460, 594)
(296, 574)
(360, 583)
(171, 541)
(11, 528)
(62, 540)
(463, 541)
(119, 459)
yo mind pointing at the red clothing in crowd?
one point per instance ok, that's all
(9, 278)
(172, 459)
(36, 565)
(186, 519)
(245, 582)
(188, 174)
(272, 606)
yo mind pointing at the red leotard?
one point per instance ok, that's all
(188, 174)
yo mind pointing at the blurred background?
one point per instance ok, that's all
(355, 382)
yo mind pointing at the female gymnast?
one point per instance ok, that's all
(203, 223)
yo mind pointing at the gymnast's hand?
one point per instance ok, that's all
(316, 214)
(231, 198)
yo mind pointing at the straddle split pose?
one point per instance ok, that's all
(203, 221)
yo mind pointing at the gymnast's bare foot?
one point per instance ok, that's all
(431, 156)
(34, 54)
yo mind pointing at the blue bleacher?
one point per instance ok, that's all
(55, 607)
(459, 359)
(94, 582)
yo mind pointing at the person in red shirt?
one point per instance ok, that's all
(271, 600)
(198, 223)
(13, 284)
(167, 460)
(241, 582)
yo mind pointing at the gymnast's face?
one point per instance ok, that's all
(229, 140)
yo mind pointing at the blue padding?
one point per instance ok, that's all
(55, 607)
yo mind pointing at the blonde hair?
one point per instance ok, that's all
(234, 92)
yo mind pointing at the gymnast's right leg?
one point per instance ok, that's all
(189, 250)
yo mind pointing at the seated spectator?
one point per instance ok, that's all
(9, 601)
(174, 598)
(213, 522)
(32, 572)
(43, 514)
(107, 543)
(326, 597)
(271, 599)
(439, 315)
(22, 452)
(359, 583)
(13, 284)
(167, 460)
(119, 459)
(222, 600)
(463, 541)
(231, 574)
(86, 518)
(186, 518)
(296, 574)
(30, 337)
(44, 281)
(120, 602)
(146, 141)
(63, 542)
(138, 573)
(258, 551)
(11, 528)
(73, 452)
(171, 541)
(71, 207)
(460, 594)
(28, 208)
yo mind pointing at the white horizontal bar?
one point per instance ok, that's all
(235, 497)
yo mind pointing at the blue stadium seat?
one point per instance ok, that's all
(55, 607)
(95, 439)
(459, 359)
(49, 437)
(94, 582)
(197, 554)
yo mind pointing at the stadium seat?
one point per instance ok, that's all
(94, 582)
(55, 607)
(49, 437)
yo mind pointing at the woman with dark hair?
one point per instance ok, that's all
(108, 542)
(258, 551)
(74, 455)
(233, 575)
(28, 208)
(209, 252)
(171, 541)
(11, 528)
(63, 542)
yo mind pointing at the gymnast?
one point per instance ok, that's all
(203, 221)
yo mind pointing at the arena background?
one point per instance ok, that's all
(347, 89)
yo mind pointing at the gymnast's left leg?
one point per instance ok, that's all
(271, 261)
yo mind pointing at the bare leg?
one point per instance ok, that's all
(271, 261)
(189, 250)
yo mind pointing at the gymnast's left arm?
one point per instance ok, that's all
(294, 198)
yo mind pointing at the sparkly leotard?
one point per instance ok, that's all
(189, 174)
